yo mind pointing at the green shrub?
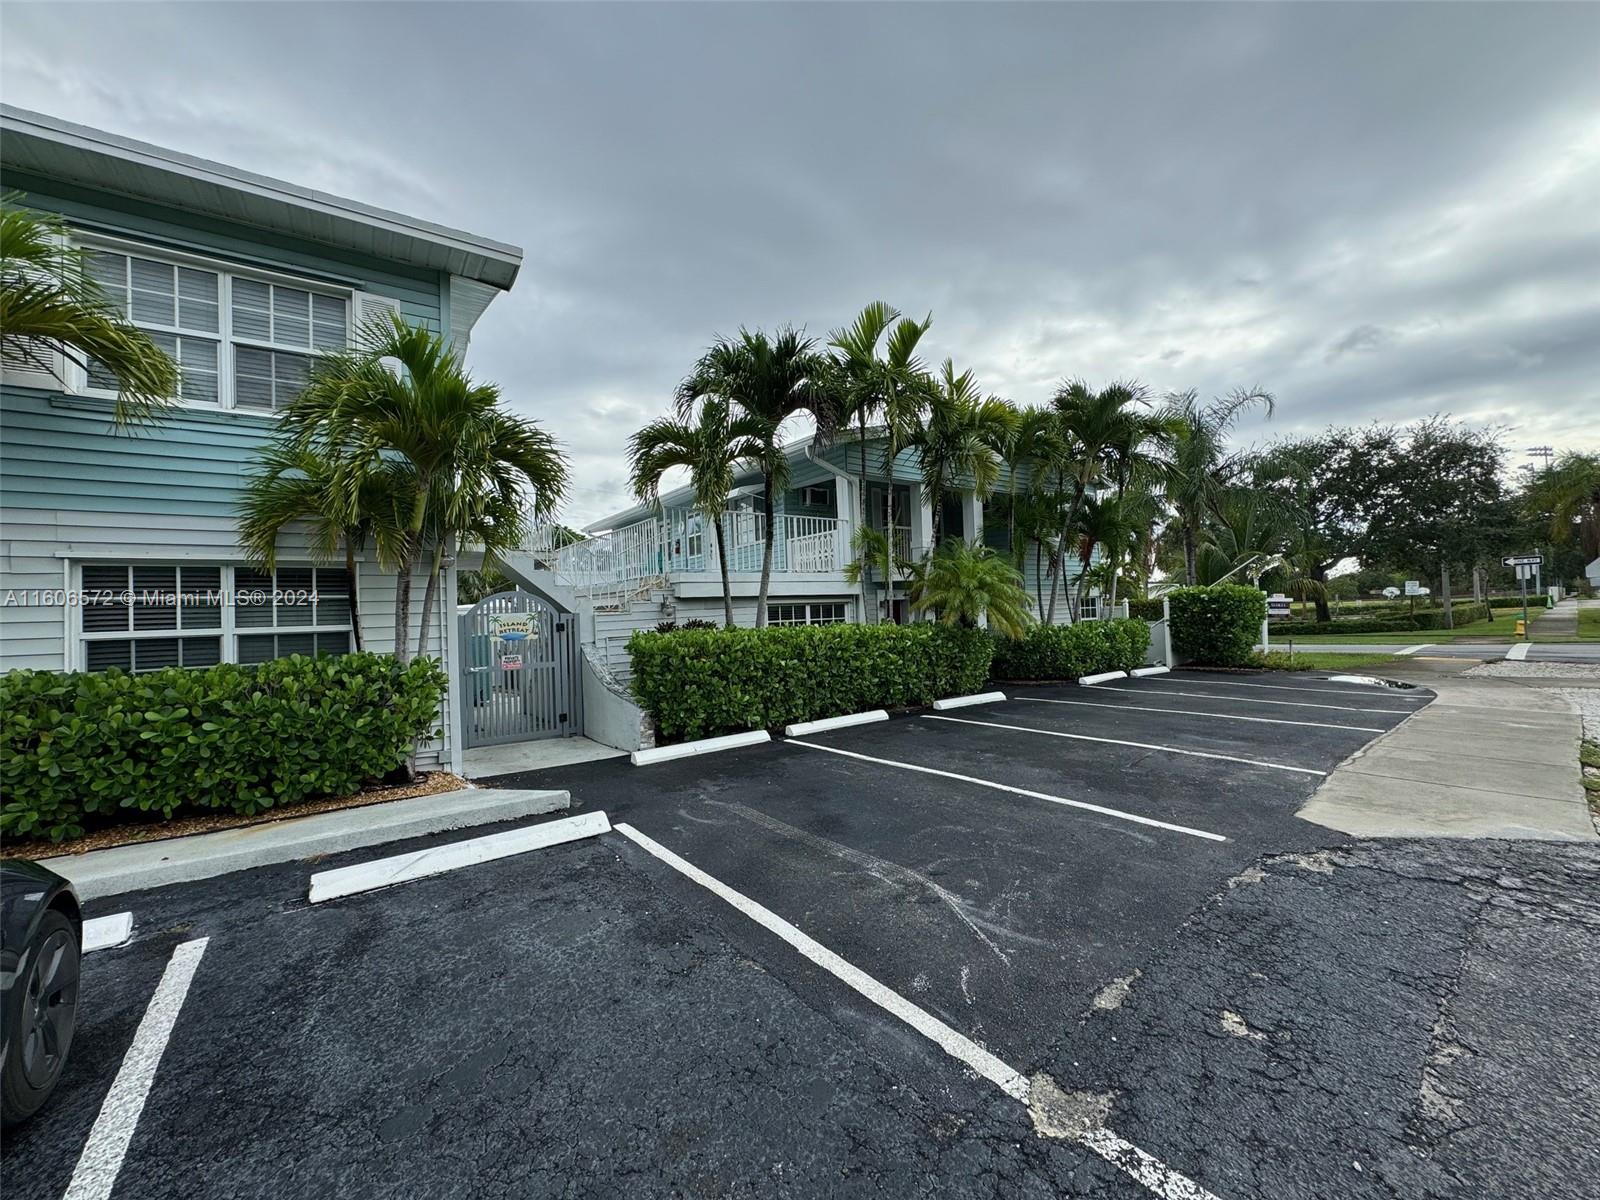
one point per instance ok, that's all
(1422, 619)
(89, 748)
(1218, 625)
(1068, 651)
(1145, 610)
(699, 683)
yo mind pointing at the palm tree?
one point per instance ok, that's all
(460, 466)
(964, 584)
(878, 377)
(50, 304)
(769, 380)
(965, 436)
(709, 448)
(1202, 469)
(297, 486)
(1092, 424)
(1568, 492)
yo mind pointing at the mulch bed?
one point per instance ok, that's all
(429, 784)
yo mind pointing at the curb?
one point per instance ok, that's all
(1102, 677)
(860, 718)
(436, 860)
(1141, 672)
(963, 701)
(206, 855)
(730, 741)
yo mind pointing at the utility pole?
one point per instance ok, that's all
(1545, 453)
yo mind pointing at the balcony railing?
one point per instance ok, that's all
(614, 566)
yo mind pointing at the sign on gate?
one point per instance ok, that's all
(519, 671)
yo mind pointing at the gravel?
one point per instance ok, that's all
(1535, 670)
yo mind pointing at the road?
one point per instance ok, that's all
(1578, 652)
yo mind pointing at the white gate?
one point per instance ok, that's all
(519, 671)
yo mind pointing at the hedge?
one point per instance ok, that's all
(1218, 625)
(88, 749)
(1068, 651)
(1424, 619)
(699, 683)
(1145, 610)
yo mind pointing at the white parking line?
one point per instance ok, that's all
(1155, 691)
(1282, 687)
(1519, 652)
(1190, 712)
(103, 1153)
(1410, 650)
(1120, 1153)
(1015, 791)
(1084, 737)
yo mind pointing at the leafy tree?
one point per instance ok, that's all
(456, 464)
(769, 380)
(1443, 503)
(709, 447)
(1566, 496)
(51, 304)
(963, 585)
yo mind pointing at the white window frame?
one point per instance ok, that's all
(810, 610)
(76, 659)
(226, 273)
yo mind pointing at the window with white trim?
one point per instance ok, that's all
(806, 614)
(240, 340)
(146, 616)
(293, 610)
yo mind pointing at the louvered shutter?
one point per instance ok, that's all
(370, 307)
(25, 362)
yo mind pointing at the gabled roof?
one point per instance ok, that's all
(57, 149)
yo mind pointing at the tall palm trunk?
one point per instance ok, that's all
(1066, 540)
(722, 562)
(429, 598)
(1038, 574)
(861, 502)
(888, 529)
(351, 587)
(766, 553)
(1188, 553)
(407, 563)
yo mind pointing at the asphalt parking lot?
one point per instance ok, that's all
(1074, 943)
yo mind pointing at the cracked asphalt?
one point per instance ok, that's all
(1281, 1013)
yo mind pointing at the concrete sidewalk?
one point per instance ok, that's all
(1487, 758)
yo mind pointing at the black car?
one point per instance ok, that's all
(41, 936)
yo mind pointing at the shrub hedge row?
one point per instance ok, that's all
(1216, 626)
(1145, 610)
(1424, 619)
(699, 683)
(1068, 651)
(81, 750)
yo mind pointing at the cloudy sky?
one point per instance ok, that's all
(1375, 211)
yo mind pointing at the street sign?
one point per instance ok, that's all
(1413, 587)
(1524, 560)
(1278, 605)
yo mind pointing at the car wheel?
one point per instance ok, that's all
(43, 1017)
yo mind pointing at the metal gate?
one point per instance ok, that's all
(519, 671)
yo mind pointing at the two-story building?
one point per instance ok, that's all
(244, 280)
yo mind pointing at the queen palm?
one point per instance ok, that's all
(878, 377)
(1202, 469)
(768, 380)
(50, 304)
(709, 445)
(463, 457)
(964, 436)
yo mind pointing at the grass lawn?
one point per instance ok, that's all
(1280, 661)
(1497, 630)
(1589, 623)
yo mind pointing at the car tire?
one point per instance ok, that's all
(41, 1021)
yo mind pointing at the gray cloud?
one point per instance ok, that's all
(1375, 211)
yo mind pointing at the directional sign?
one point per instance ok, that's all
(1524, 560)
(1414, 587)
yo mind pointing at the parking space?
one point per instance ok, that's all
(833, 965)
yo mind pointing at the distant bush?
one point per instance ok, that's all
(699, 683)
(1145, 610)
(1423, 619)
(1218, 625)
(1068, 651)
(87, 749)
